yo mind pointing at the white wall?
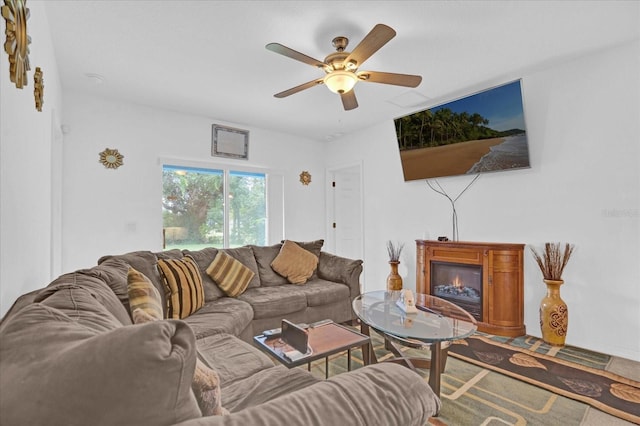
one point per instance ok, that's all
(26, 151)
(109, 211)
(583, 187)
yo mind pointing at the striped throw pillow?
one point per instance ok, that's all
(230, 274)
(143, 294)
(294, 263)
(182, 286)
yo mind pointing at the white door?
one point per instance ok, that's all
(345, 211)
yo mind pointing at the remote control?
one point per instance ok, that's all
(273, 332)
(320, 323)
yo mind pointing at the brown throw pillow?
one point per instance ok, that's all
(294, 263)
(182, 286)
(143, 295)
(206, 382)
(315, 247)
(230, 274)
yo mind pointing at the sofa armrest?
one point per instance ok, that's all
(341, 270)
(383, 394)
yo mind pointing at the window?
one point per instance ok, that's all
(195, 214)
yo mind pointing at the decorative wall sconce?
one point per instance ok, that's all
(305, 178)
(111, 158)
(17, 42)
(38, 88)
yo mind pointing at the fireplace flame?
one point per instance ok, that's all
(457, 283)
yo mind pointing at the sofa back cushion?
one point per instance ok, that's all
(113, 272)
(54, 370)
(86, 298)
(182, 286)
(264, 257)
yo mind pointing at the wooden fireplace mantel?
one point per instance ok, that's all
(502, 279)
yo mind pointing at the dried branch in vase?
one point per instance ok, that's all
(553, 259)
(394, 251)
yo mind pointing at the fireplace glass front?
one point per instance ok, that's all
(460, 284)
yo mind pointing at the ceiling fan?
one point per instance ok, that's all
(341, 67)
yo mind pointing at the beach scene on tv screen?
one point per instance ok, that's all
(484, 132)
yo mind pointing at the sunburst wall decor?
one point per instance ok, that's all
(305, 178)
(38, 88)
(15, 13)
(111, 158)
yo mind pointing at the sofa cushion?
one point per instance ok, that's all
(377, 395)
(264, 257)
(246, 257)
(85, 299)
(275, 302)
(53, 370)
(225, 315)
(294, 263)
(232, 358)
(113, 272)
(143, 295)
(183, 286)
(203, 258)
(231, 276)
(265, 385)
(320, 292)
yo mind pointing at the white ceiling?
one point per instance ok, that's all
(208, 57)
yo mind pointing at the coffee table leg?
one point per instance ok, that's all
(368, 355)
(326, 367)
(435, 368)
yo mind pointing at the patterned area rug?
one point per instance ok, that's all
(473, 394)
(608, 392)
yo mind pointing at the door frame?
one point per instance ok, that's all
(330, 206)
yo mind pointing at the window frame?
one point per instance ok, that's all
(227, 170)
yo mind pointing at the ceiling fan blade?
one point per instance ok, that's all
(299, 88)
(349, 100)
(377, 37)
(390, 78)
(293, 54)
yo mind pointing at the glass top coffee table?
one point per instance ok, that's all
(436, 321)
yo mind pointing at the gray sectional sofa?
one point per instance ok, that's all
(71, 355)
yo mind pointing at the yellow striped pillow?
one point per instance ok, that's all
(230, 274)
(143, 294)
(182, 286)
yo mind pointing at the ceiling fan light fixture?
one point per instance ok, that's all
(340, 81)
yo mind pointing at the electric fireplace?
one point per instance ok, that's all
(484, 279)
(460, 284)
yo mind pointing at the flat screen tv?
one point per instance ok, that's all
(484, 132)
